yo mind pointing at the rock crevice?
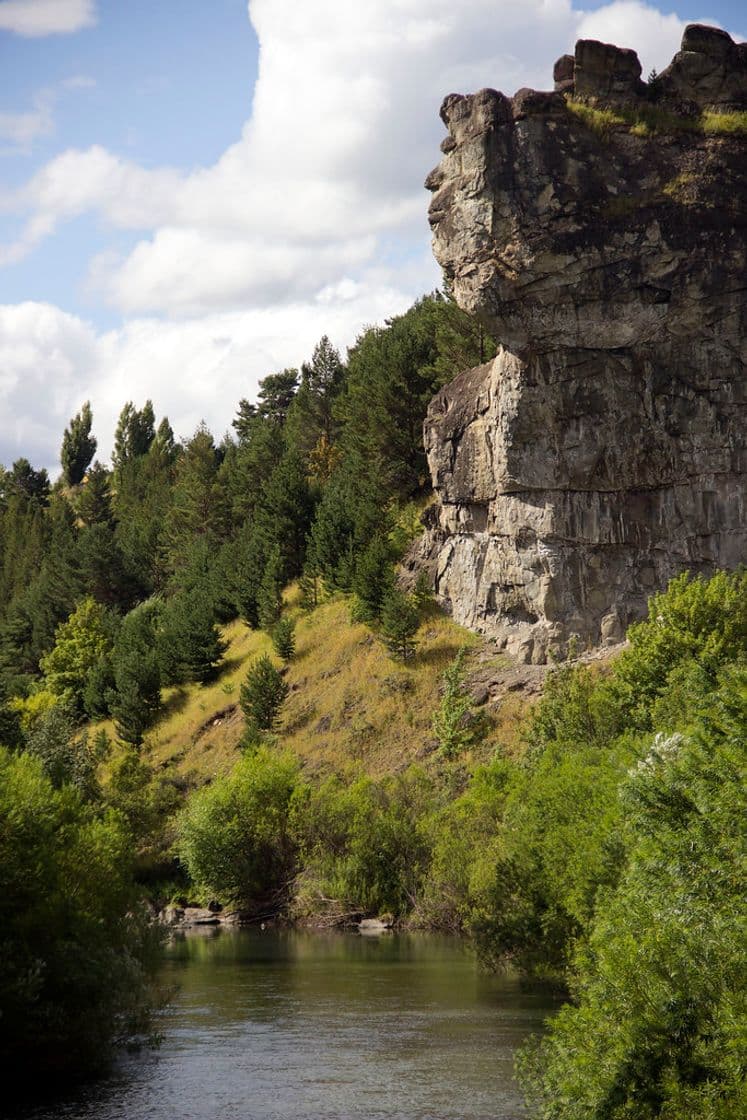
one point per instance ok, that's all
(599, 232)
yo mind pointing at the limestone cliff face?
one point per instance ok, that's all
(605, 448)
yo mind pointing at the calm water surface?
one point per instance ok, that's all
(301, 1026)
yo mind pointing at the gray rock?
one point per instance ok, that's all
(604, 450)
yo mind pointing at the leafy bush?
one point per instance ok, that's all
(234, 837)
(77, 950)
(366, 845)
(658, 1027)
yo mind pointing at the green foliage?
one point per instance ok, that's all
(190, 647)
(454, 722)
(80, 643)
(399, 624)
(270, 594)
(234, 836)
(64, 750)
(658, 1026)
(366, 845)
(135, 698)
(263, 694)
(283, 639)
(695, 622)
(133, 436)
(10, 723)
(373, 580)
(95, 499)
(146, 799)
(78, 446)
(78, 952)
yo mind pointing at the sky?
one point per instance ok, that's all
(192, 193)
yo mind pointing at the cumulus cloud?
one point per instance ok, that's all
(35, 18)
(313, 221)
(193, 370)
(629, 23)
(343, 129)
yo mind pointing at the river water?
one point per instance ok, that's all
(303, 1026)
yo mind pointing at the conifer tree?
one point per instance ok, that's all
(78, 446)
(399, 623)
(283, 639)
(190, 645)
(134, 434)
(269, 598)
(94, 503)
(135, 696)
(373, 580)
(10, 724)
(262, 696)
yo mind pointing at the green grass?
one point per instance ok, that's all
(651, 120)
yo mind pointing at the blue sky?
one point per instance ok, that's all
(191, 193)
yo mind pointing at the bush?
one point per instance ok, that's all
(658, 1030)
(366, 845)
(234, 837)
(78, 952)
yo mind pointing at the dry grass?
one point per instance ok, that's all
(351, 707)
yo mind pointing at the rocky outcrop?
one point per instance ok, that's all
(599, 232)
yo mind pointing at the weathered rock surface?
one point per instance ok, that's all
(604, 449)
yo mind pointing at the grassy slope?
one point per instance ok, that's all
(351, 707)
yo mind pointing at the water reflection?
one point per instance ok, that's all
(323, 1027)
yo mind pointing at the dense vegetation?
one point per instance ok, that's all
(603, 851)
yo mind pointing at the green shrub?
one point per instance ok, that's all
(659, 1022)
(366, 845)
(234, 836)
(78, 953)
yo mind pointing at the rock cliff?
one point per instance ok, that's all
(599, 232)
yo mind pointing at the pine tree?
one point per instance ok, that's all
(190, 645)
(134, 434)
(78, 446)
(10, 724)
(198, 505)
(135, 697)
(399, 623)
(262, 696)
(269, 598)
(373, 580)
(94, 503)
(283, 639)
(310, 583)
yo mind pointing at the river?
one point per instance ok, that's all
(304, 1026)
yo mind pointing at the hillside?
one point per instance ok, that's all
(351, 707)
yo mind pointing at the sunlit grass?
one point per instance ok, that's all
(652, 120)
(351, 708)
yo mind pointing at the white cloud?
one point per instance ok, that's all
(18, 131)
(51, 361)
(35, 18)
(293, 232)
(344, 129)
(630, 23)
